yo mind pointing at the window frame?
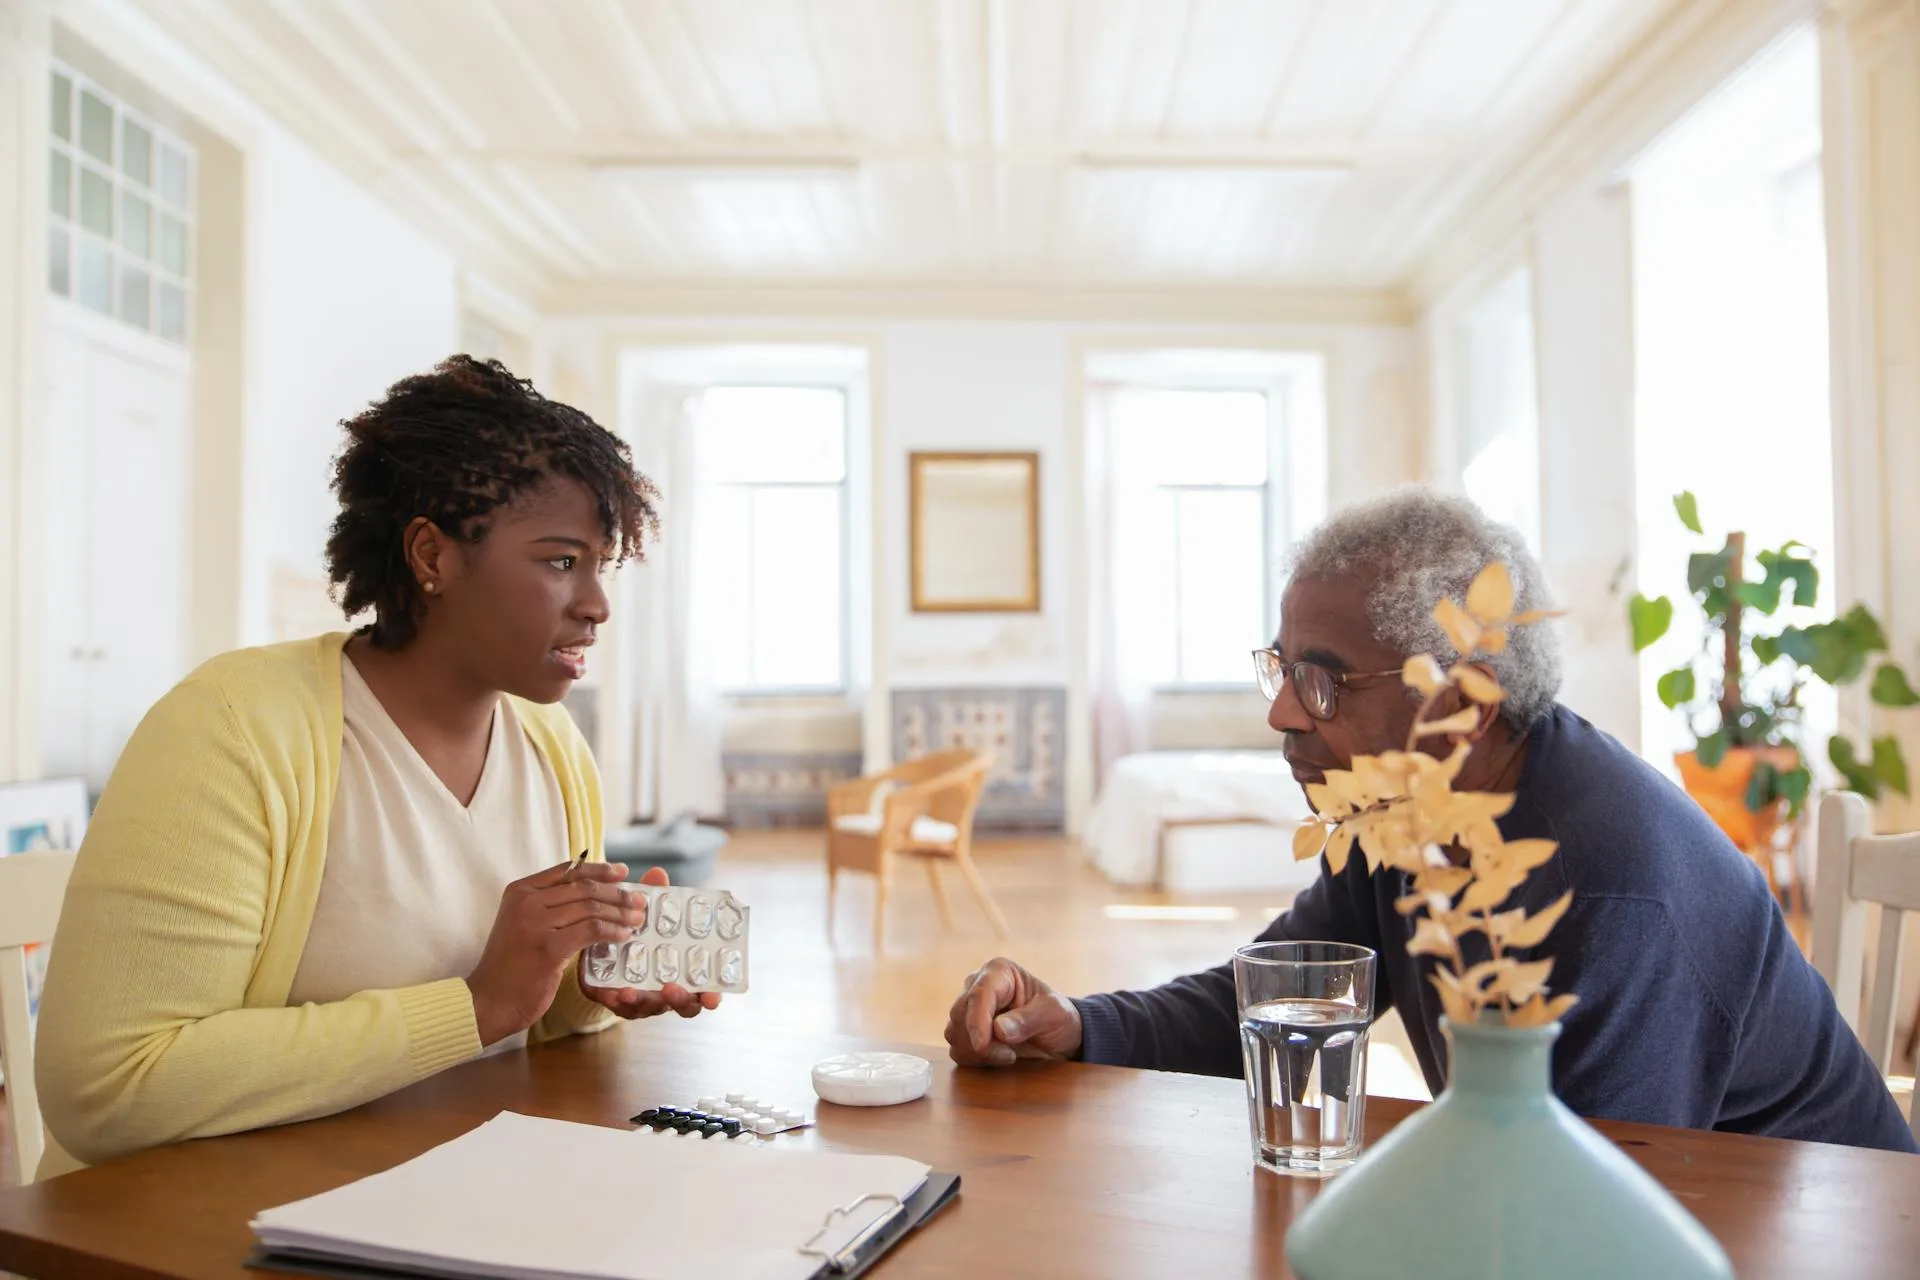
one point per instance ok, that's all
(1268, 604)
(1274, 494)
(844, 684)
(79, 161)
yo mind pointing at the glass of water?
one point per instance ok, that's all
(1304, 1012)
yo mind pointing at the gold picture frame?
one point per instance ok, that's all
(975, 532)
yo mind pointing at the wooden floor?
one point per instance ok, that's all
(1064, 929)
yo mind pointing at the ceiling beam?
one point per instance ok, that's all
(946, 299)
(724, 151)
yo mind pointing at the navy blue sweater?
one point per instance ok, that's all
(1696, 1007)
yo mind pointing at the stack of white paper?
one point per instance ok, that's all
(523, 1198)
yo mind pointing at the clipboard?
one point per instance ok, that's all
(847, 1262)
(872, 1242)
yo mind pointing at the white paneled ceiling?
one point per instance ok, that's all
(585, 146)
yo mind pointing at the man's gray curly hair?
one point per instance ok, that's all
(1417, 545)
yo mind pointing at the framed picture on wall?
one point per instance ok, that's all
(38, 816)
(42, 815)
(975, 532)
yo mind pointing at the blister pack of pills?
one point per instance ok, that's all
(691, 936)
(736, 1115)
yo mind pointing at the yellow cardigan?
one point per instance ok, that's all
(165, 1013)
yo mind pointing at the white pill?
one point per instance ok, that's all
(787, 1117)
(708, 1104)
(735, 1098)
(765, 1126)
(749, 1102)
(872, 1079)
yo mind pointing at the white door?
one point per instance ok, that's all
(115, 572)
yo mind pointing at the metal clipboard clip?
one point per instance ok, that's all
(847, 1257)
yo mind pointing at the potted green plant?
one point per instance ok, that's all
(1740, 696)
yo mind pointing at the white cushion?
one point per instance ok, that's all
(923, 830)
(932, 831)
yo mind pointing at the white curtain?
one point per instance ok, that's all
(1120, 615)
(680, 708)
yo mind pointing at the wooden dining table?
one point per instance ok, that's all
(1067, 1169)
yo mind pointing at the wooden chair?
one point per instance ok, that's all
(1854, 869)
(32, 886)
(922, 808)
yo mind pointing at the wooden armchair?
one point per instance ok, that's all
(922, 808)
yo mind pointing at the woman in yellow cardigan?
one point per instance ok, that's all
(324, 870)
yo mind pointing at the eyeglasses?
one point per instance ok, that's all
(1317, 688)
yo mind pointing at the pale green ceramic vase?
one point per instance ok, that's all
(1498, 1180)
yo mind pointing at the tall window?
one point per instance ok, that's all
(776, 459)
(120, 210)
(1730, 350)
(1197, 467)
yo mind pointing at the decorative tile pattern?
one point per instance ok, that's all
(783, 789)
(1023, 729)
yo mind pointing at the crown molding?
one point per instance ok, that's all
(1656, 82)
(968, 300)
(1856, 12)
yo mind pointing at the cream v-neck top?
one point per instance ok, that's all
(413, 877)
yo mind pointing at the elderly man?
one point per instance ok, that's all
(1696, 1007)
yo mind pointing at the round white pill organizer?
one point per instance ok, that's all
(872, 1079)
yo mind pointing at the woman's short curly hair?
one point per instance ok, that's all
(452, 445)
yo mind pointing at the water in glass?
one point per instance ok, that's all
(1305, 1063)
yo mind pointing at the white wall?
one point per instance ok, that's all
(1583, 292)
(1015, 385)
(977, 387)
(1576, 252)
(24, 53)
(340, 296)
(345, 298)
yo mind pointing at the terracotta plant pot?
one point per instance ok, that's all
(1722, 792)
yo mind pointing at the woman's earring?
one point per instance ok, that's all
(430, 587)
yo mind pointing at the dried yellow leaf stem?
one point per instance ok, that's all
(1400, 808)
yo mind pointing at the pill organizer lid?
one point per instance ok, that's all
(872, 1079)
